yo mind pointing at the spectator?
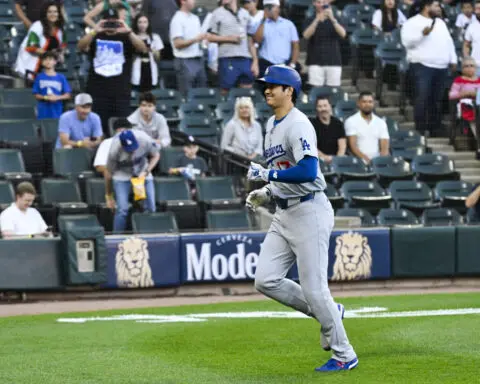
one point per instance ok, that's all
(430, 50)
(44, 35)
(237, 56)
(466, 17)
(80, 127)
(277, 38)
(101, 157)
(122, 7)
(331, 138)
(252, 8)
(145, 68)
(33, 10)
(145, 118)
(20, 219)
(324, 58)
(132, 157)
(243, 134)
(367, 133)
(388, 17)
(160, 12)
(464, 89)
(473, 205)
(471, 42)
(185, 36)
(189, 165)
(50, 89)
(111, 47)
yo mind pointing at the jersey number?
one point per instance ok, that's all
(283, 165)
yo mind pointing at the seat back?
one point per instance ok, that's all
(228, 219)
(205, 96)
(60, 191)
(406, 139)
(344, 109)
(390, 217)
(218, 187)
(308, 109)
(453, 190)
(390, 52)
(49, 130)
(390, 166)
(157, 222)
(19, 131)
(95, 191)
(441, 217)
(194, 108)
(7, 193)
(11, 160)
(351, 189)
(334, 94)
(225, 111)
(350, 22)
(198, 126)
(406, 190)
(171, 188)
(349, 165)
(366, 36)
(168, 158)
(392, 125)
(433, 164)
(365, 216)
(255, 95)
(71, 162)
(11, 112)
(18, 96)
(87, 221)
(363, 11)
(408, 153)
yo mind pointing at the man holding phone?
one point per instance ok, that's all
(277, 38)
(430, 51)
(111, 46)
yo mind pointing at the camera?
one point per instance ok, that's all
(111, 24)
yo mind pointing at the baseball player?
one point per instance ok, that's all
(303, 220)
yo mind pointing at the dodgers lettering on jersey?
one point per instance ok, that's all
(285, 145)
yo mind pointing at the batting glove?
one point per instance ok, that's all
(258, 197)
(256, 172)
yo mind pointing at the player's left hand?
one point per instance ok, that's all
(257, 172)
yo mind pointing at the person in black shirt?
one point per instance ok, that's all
(323, 33)
(111, 46)
(331, 138)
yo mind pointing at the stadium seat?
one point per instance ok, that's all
(350, 23)
(95, 198)
(363, 11)
(264, 112)
(362, 39)
(76, 162)
(390, 217)
(7, 194)
(434, 167)
(453, 193)
(441, 217)
(327, 172)
(351, 168)
(255, 95)
(49, 130)
(12, 165)
(390, 168)
(407, 144)
(19, 131)
(392, 125)
(206, 96)
(15, 111)
(367, 219)
(86, 220)
(334, 94)
(194, 109)
(236, 219)
(170, 97)
(201, 12)
(387, 53)
(18, 96)
(168, 157)
(202, 128)
(7, 16)
(336, 199)
(157, 222)
(365, 194)
(173, 194)
(308, 109)
(170, 114)
(217, 192)
(167, 74)
(408, 153)
(413, 195)
(344, 109)
(225, 111)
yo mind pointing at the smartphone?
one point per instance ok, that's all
(325, 6)
(111, 24)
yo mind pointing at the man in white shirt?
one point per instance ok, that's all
(471, 43)
(466, 17)
(366, 132)
(20, 219)
(430, 50)
(185, 36)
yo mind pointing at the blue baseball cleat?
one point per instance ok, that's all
(333, 365)
(323, 342)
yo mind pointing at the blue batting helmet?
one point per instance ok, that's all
(282, 75)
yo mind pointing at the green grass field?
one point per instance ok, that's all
(427, 349)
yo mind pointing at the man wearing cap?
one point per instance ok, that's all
(80, 127)
(133, 155)
(277, 38)
(111, 46)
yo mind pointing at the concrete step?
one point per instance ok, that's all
(438, 140)
(471, 179)
(470, 172)
(464, 155)
(461, 164)
(349, 89)
(440, 148)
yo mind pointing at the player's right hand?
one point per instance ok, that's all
(258, 197)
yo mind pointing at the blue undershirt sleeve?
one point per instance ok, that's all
(305, 171)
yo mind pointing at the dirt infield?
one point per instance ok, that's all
(221, 294)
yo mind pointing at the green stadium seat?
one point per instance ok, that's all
(254, 94)
(390, 168)
(95, 198)
(7, 194)
(367, 219)
(237, 219)
(365, 194)
(389, 217)
(206, 96)
(453, 193)
(76, 162)
(217, 192)
(11, 112)
(413, 195)
(434, 167)
(18, 96)
(351, 168)
(334, 94)
(12, 165)
(335, 197)
(157, 222)
(441, 217)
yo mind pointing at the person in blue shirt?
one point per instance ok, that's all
(50, 89)
(80, 127)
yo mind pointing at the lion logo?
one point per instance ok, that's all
(132, 264)
(353, 257)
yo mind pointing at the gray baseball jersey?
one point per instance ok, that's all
(286, 143)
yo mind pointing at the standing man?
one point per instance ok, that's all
(185, 37)
(471, 43)
(111, 46)
(331, 138)
(237, 55)
(132, 158)
(430, 50)
(367, 133)
(324, 59)
(277, 38)
(303, 220)
(159, 13)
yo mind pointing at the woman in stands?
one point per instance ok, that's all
(388, 17)
(46, 34)
(243, 134)
(144, 68)
(122, 6)
(464, 90)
